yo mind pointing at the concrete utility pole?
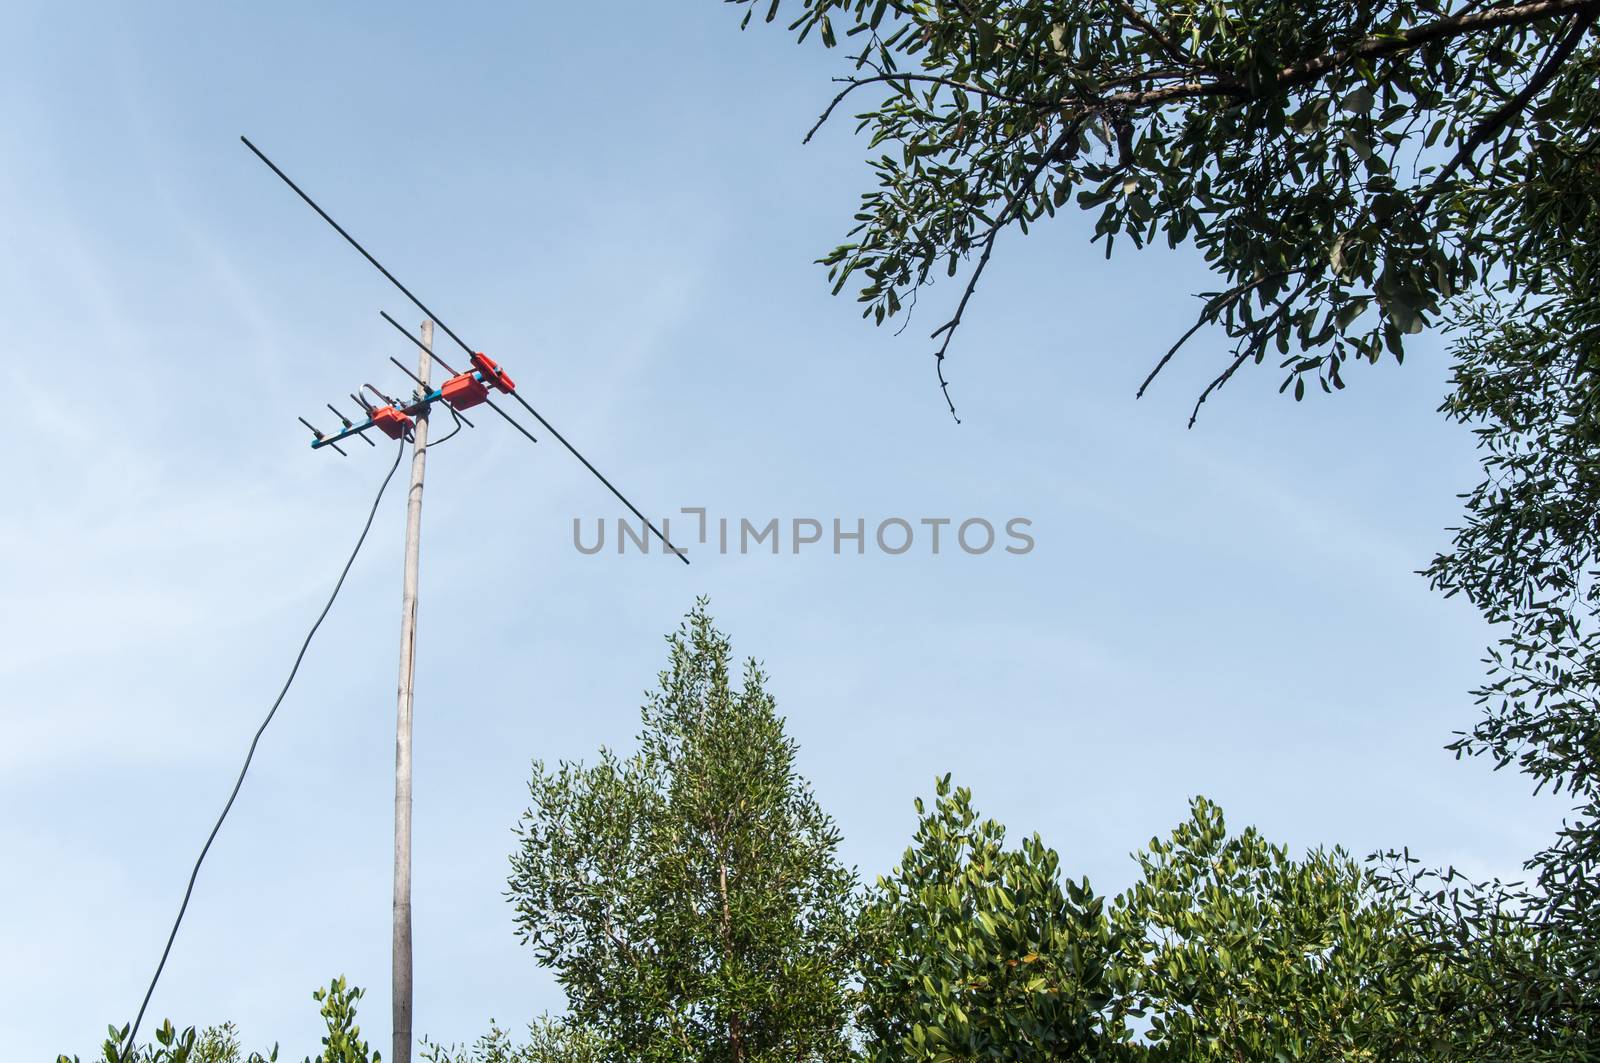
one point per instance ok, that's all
(402, 733)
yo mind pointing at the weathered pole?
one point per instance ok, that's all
(401, 1050)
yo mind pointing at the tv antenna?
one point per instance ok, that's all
(404, 420)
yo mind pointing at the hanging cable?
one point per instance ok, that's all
(418, 303)
(450, 434)
(127, 1053)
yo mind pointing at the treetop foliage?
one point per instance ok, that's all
(689, 896)
(220, 1044)
(1226, 948)
(974, 951)
(550, 1040)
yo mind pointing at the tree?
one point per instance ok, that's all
(977, 952)
(343, 1043)
(1526, 555)
(1508, 987)
(1235, 950)
(1225, 948)
(1345, 167)
(550, 1040)
(1353, 172)
(689, 896)
(220, 1044)
(214, 1044)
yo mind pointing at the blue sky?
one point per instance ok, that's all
(618, 207)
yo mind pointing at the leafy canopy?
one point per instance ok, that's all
(1236, 950)
(1526, 555)
(978, 952)
(1225, 948)
(1344, 168)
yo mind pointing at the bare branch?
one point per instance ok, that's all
(950, 83)
(1251, 346)
(1239, 359)
(1005, 216)
(1208, 314)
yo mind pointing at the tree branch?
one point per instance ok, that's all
(1075, 111)
(1001, 220)
(1257, 343)
(950, 83)
(1495, 123)
(1372, 47)
(1176, 54)
(1208, 314)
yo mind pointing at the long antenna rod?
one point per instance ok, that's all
(418, 303)
(352, 241)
